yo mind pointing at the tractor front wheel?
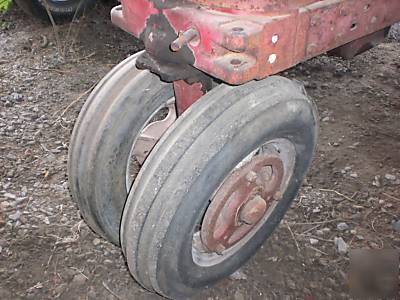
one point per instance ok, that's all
(118, 126)
(217, 184)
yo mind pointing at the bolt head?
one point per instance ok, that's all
(251, 176)
(253, 210)
(219, 248)
(277, 195)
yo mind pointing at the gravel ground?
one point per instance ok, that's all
(351, 198)
(395, 32)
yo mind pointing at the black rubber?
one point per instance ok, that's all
(189, 163)
(62, 11)
(107, 126)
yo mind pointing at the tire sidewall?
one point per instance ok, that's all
(110, 153)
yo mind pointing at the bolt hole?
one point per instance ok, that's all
(275, 39)
(272, 58)
(236, 62)
(237, 29)
(353, 26)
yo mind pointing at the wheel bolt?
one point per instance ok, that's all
(277, 195)
(253, 210)
(219, 249)
(251, 176)
(184, 38)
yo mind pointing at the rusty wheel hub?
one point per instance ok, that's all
(242, 202)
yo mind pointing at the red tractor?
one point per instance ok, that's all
(189, 153)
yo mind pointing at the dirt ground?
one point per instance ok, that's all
(47, 252)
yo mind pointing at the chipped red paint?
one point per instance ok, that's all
(245, 40)
(186, 94)
(133, 16)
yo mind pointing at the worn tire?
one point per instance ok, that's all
(187, 166)
(60, 10)
(107, 127)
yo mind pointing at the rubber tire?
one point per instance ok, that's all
(188, 164)
(61, 12)
(107, 126)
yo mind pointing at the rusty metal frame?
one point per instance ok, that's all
(238, 41)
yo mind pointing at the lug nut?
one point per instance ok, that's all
(251, 176)
(277, 195)
(253, 210)
(219, 249)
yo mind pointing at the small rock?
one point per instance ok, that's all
(4, 205)
(396, 226)
(79, 279)
(342, 226)
(377, 181)
(238, 295)
(15, 216)
(238, 275)
(313, 241)
(291, 284)
(331, 281)
(390, 177)
(24, 190)
(96, 241)
(10, 196)
(354, 175)
(326, 230)
(326, 119)
(17, 97)
(373, 245)
(355, 145)
(273, 258)
(58, 290)
(341, 245)
(92, 293)
(316, 210)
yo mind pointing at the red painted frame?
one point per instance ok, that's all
(239, 41)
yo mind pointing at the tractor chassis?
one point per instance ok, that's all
(239, 41)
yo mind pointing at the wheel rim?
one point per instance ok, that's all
(243, 202)
(150, 134)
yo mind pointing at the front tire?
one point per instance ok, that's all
(171, 197)
(107, 128)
